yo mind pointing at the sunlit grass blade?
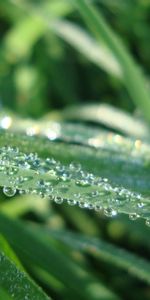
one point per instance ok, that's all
(107, 115)
(132, 76)
(85, 44)
(53, 261)
(32, 28)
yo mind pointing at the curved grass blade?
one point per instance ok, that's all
(86, 45)
(84, 134)
(107, 115)
(132, 75)
(72, 34)
(32, 28)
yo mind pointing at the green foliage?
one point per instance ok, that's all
(92, 157)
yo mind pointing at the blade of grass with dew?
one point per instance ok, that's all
(51, 260)
(125, 164)
(133, 78)
(48, 178)
(113, 164)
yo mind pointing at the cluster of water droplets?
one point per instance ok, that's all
(28, 173)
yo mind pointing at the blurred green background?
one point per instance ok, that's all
(40, 71)
(48, 61)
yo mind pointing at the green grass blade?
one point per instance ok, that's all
(71, 33)
(32, 28)
(111, 117)
(4, 295)
(133, 264)
(51, 179)
(5, 247)
(113, 155)
(51, 260)
(16, 283)
(132, 75)
(86, 45)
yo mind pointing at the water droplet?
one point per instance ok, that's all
(82, 204)
(110, 212)
(2, 168)
(147, 222)
(75, 167)
(82, 183)
(64, 175)
(58, 200)
(97, 207)
(71, 202)
(133, 216)
(90, 206)
(95, 194)
(140, 204)
(22, 192)
(77, 195)
(9, 191)
(11, 171)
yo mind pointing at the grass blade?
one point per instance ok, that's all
(48, 178)
(86, 45)
(53, 261)
(132, 75)
(16, 283)
(137, 266)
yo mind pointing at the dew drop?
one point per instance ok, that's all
(133, 216)
(82, 182)
(58, 200)
(11, 171)
(82, 204)
(90, 206)
(9, 191)
(147, 222)
(97, 207)
(77, 196)
(71, 202)
(95, 194)
(22, 192)
(2, 168)
(110, 212)
(140, 204)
